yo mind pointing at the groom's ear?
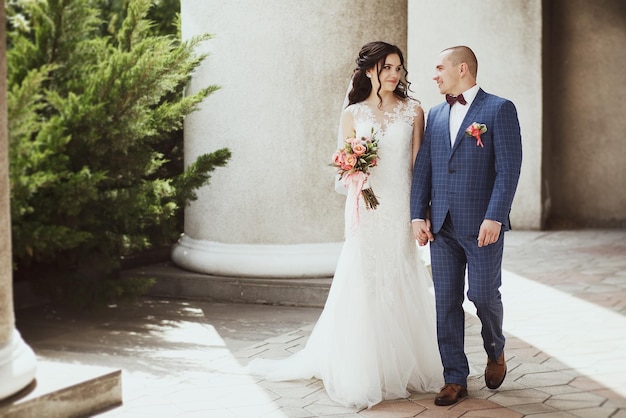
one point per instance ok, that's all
(463, 69)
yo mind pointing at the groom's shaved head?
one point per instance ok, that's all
(460, 54)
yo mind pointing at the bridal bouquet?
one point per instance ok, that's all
(353, 162)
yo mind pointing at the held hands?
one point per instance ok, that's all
(421, 231)
(488, 233)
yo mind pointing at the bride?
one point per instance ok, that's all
(375, 339)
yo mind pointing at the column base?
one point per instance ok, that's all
(18, 365)
(248, 260)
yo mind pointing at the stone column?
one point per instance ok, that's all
(585, 89)
(283, 68)
(17, 360)
(506, 36)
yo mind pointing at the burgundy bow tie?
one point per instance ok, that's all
(452, 99)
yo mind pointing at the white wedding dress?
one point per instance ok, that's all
(376, 337)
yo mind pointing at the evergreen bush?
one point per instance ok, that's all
(95, 143)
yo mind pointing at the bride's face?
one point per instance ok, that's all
(389, 76)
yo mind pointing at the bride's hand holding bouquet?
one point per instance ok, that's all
(353, 162)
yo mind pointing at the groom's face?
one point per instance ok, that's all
(447, 76)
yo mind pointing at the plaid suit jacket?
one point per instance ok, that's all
(470, 182)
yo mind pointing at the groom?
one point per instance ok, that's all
(464, 180)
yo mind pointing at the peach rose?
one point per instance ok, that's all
(359, 149)
(338, 157)
(349, 162)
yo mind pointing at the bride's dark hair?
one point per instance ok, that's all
(371, 55)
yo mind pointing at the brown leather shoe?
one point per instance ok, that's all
(451, 393)
(495, 372)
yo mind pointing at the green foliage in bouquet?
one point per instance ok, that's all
(95, 143)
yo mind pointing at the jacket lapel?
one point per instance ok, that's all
(446, 125)
(470, 117)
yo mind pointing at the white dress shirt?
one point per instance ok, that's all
(458, 112)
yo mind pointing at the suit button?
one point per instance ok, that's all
(451, 171)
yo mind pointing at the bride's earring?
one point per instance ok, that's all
(368, 75)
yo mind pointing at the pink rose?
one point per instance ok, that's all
(359, 149)
(338, 157)
(349, 162)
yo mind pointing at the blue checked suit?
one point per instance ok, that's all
(462, 185)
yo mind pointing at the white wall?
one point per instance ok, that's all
(505, 35)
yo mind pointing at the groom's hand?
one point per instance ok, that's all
(421, 231)
(489, 232)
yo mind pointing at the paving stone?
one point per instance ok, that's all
(295, 391)
(475, 404)
(526, 368)
(439, 412)
(324, 409)
(555, 364)
(293, 403)
(285, 339)
(393, 409)
(599, 412)
(519, 397)
(533, 409)
(421, 396)
(284, 412)
(613, 399)
(566, 402)
(620, 414)
(586, 383)
(493, 413)
(560, 389)
(545, 379)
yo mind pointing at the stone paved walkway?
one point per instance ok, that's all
(565, 323)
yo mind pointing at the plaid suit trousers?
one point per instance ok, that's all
(451, 254)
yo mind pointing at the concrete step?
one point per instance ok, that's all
(65, 390)
(173, 282)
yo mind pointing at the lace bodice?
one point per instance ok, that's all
(391, 178)
(364, 116)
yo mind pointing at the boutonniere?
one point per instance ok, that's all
(475, 130)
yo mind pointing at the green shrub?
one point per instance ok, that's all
(95, 142)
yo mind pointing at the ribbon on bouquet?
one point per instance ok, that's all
(355, 182)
